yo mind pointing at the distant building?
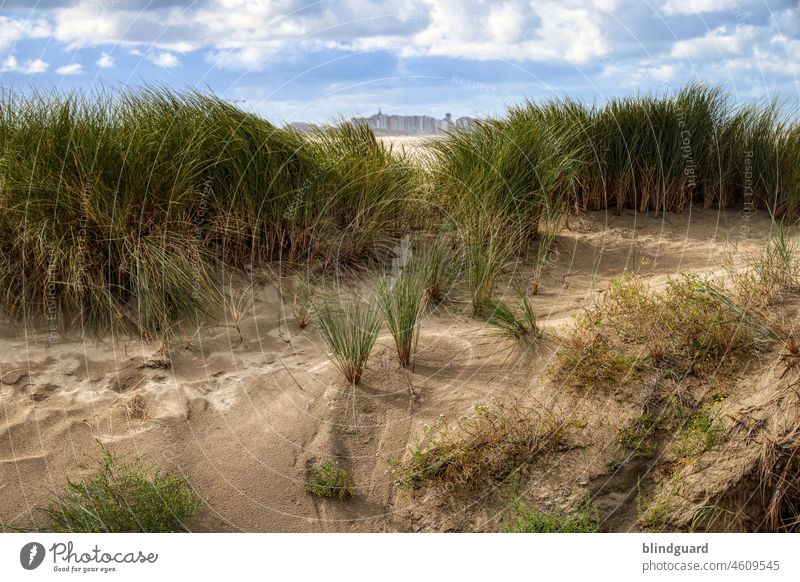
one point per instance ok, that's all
(412, 124)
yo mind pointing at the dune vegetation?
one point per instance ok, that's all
(128, 212)
(120, 209)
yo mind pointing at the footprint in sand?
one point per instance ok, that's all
(125, 382)
(44, 392)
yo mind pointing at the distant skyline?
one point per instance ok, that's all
(313, 61)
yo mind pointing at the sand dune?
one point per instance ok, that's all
(244, 420)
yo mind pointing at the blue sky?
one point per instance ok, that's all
(294, 60)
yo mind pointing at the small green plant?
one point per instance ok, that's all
(522, 519)
(238, 303)
(350, 330)
(654, 515)
(493, 442)
(702, 433)
(330, 480)
(639, 437)
(403, 303)
(302, 302)
(518, 325)
(122, 496)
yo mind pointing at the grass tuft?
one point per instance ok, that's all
(124, 496)
(519, 324)
(522, 519)
(350, 329)
(403, 303)
(492, 443)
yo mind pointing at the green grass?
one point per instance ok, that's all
(330, 480)
(639, 437)
(701, 433)
(350, 328)
(403, 302)
(123, 496)
(516, 323)
(302, 301)
(117, 209)
(489, 249)
(771, 273)
(438, 263)
(522, 519)
(659, 152)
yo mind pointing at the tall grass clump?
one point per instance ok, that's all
(117, 209)
(439, 264)
(403, 303)
(650, 152)
(488, 251)
(770, 273)
(123, 496)
(518, 324)
(503, 171)
(350, 329)
(364, 193)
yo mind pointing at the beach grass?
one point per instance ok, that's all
(123, 496)
(350, 328)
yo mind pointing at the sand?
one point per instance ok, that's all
(244, 420)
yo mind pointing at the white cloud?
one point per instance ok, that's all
(637, 75)
(12, 30)
(696, 6)
(717, 43)
(30, 67)
(164, 60)
(516, 30)
(71, 69)
(105, 61)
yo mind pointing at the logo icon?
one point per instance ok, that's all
(31, 555)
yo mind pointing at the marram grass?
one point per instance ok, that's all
(350, 328)
(403, 302)
(118, 209)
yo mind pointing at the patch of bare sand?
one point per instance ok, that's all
(245, 420)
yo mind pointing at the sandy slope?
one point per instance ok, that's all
(244, 420)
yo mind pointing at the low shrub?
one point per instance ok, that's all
(492, 443)
(330, 480)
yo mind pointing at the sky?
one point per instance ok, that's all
(290, 60)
